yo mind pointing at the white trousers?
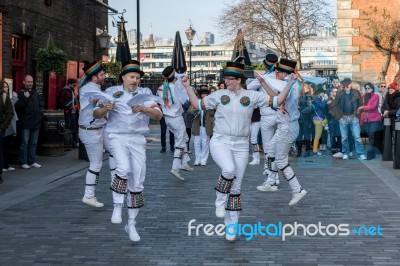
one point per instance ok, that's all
(254, 129)
(232, 157)
(94, 144)
(202, 146)
(284, 136)
(177, 126)
(129, 153)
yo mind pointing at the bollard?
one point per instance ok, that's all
(396, 161)
(387, 154)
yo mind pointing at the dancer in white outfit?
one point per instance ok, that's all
(286, 133)
(91, 129)
(172, 110)
(125, 128)
(230, 142)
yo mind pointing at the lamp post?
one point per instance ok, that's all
(190, 32)
(104, 39)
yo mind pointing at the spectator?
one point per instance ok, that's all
(382, 90)
(346, 105)
(391, 103)
(333, 124)
(221, 85)
(319, 118)
(336, 84)
(6, 115)
(370, 117)
(29, 111)
(305, 119)
(11, 131)
(67, 101)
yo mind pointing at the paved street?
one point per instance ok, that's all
(44, 222)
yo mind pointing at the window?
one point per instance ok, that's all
(18, 48)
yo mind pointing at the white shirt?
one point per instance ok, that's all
(122, 119)
(174, 109)
(289, 110)
(233, 111)
(255, 84)
(86, 118)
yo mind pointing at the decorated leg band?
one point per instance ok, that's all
(287, 172)
(97, 177)
(137, 199)
(256, 148)
(224, 185)
(270, 161)
(234, 203)
(178, 153)
(119, 185)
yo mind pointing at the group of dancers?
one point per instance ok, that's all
(117, 119)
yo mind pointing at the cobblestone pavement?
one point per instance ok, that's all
(44, 222)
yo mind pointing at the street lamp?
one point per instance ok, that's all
(190, 35)
(104, 39)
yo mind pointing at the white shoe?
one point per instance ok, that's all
(345, 157)
(92, 202)
(186, 167)
(133, 234)
(362, 157)
(338, 155)
(203, 164)
(4, 170)
(10, 169)
(254, 162)
(177, 174)
(297, 197)
(228, 236)
(265, 172)
(25, 166)
(196, 164)
(267, 187)
(116, 217)
(35, 165)
(220, 212)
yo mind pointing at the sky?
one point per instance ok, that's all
(169, 16)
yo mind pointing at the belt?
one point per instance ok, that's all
(89, 128)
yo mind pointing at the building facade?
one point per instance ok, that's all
(26, 26)
(357, 57)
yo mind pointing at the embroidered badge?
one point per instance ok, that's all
(245, 101)
(118, 94)
(225, 99)
(135, 93)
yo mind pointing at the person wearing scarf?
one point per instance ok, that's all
(391, 103)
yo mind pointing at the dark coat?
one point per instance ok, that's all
(6, 114)
(29, 110)
(208, 122)
(336, 109)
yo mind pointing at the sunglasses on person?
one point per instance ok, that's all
(383, 86)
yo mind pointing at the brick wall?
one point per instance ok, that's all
(357, 56)
(71, 24)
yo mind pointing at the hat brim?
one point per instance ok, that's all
(285, 70)
(234, 74)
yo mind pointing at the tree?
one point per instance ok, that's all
(280, 25)
(383, 30)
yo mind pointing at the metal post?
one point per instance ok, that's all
(387, 154)
(190, 60)
(396, 161)
(138, 29)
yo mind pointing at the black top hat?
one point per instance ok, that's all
(270, 60)
(169, 73)
(286, 65)
(203, 90)
(131, 66)
(90, 70)
(234, 69)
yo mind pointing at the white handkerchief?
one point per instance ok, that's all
(98, 97)
(140, 99)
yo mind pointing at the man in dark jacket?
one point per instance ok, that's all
(344, 109)
(6, 115)
(29, 112)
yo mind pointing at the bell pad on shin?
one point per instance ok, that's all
(234, 203)
(224, 185)
(137, 199)
(119, 185)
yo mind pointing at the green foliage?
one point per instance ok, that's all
(51, 59)
(112, 69)
(259, 66)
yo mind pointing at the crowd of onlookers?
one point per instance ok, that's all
(335, 118)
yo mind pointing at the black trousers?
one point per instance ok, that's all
(164, 133)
